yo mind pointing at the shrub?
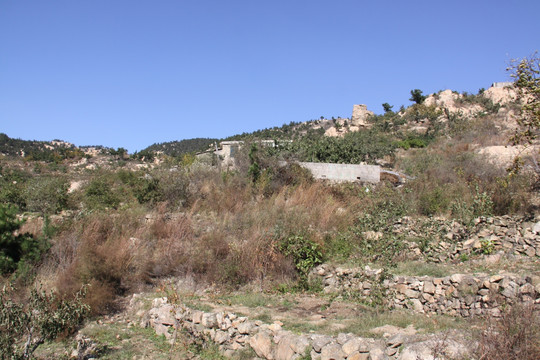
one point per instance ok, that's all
(25, 325)
(99, 194)
(412, 143)
(515, 336)
(305, 254)
(148, 190)
(435, 201)
(353, 148)
(12, 184)
(47, 195)
(16, 250)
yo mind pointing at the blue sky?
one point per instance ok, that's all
(129, 73)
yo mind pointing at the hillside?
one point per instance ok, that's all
(160, 256)
(177, 148)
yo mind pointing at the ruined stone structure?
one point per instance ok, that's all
(320, 171)
(228, 150)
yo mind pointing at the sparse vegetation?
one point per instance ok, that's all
(516, 335)
(129, 223)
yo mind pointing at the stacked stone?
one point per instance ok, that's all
(457, 295)
(269, 341)
(462, 295)
(451, 240)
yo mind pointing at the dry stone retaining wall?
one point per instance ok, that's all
(270, 341)
(457, 295)
(450, 240)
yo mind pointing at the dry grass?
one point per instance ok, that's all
(516, 335)
(228, 235)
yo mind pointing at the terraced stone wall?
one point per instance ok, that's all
(458, 295)
(233, 334)
(450, 240)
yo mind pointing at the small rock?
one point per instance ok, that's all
(395, 341)
(351, 346)
(209, 320)
(536, 228)
(245, 327)
(320, 341)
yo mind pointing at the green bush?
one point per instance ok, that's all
(148, 190)
(434, 201)
(12, 183)
(16, 250)
(353, 148)
(417, 97)
(25, 325)
(412, 143)
(99, 194)
(305, 254)
(47, 195)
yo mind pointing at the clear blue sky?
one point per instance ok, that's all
(128, 73)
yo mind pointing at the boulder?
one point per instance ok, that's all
(332, 352)
(261, 343)
(284, 350)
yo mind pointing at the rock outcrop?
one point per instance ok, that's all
(360, 115)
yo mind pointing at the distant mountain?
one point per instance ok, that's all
(51, 151)
(177, 148)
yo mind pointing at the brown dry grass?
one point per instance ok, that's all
(229, 236)
(515, 336)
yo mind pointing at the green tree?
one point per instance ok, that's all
(526, 75)
(15, 249)
(254, 168)
(387, 107)
(417, 97)
(100, 194)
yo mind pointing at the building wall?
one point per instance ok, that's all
(502, 84)
(344, 172)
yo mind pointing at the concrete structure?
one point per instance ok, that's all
(227, 152)
(344, 172)
(502, 84)
(228, 149)
(321, 171)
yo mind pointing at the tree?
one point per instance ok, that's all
(417, 97)
(526, 75)
(387, 107)
(15, 248)
(254, 168)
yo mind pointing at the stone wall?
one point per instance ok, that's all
(233, 333)
(344, 172)
(458, 295)
(450, 240)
